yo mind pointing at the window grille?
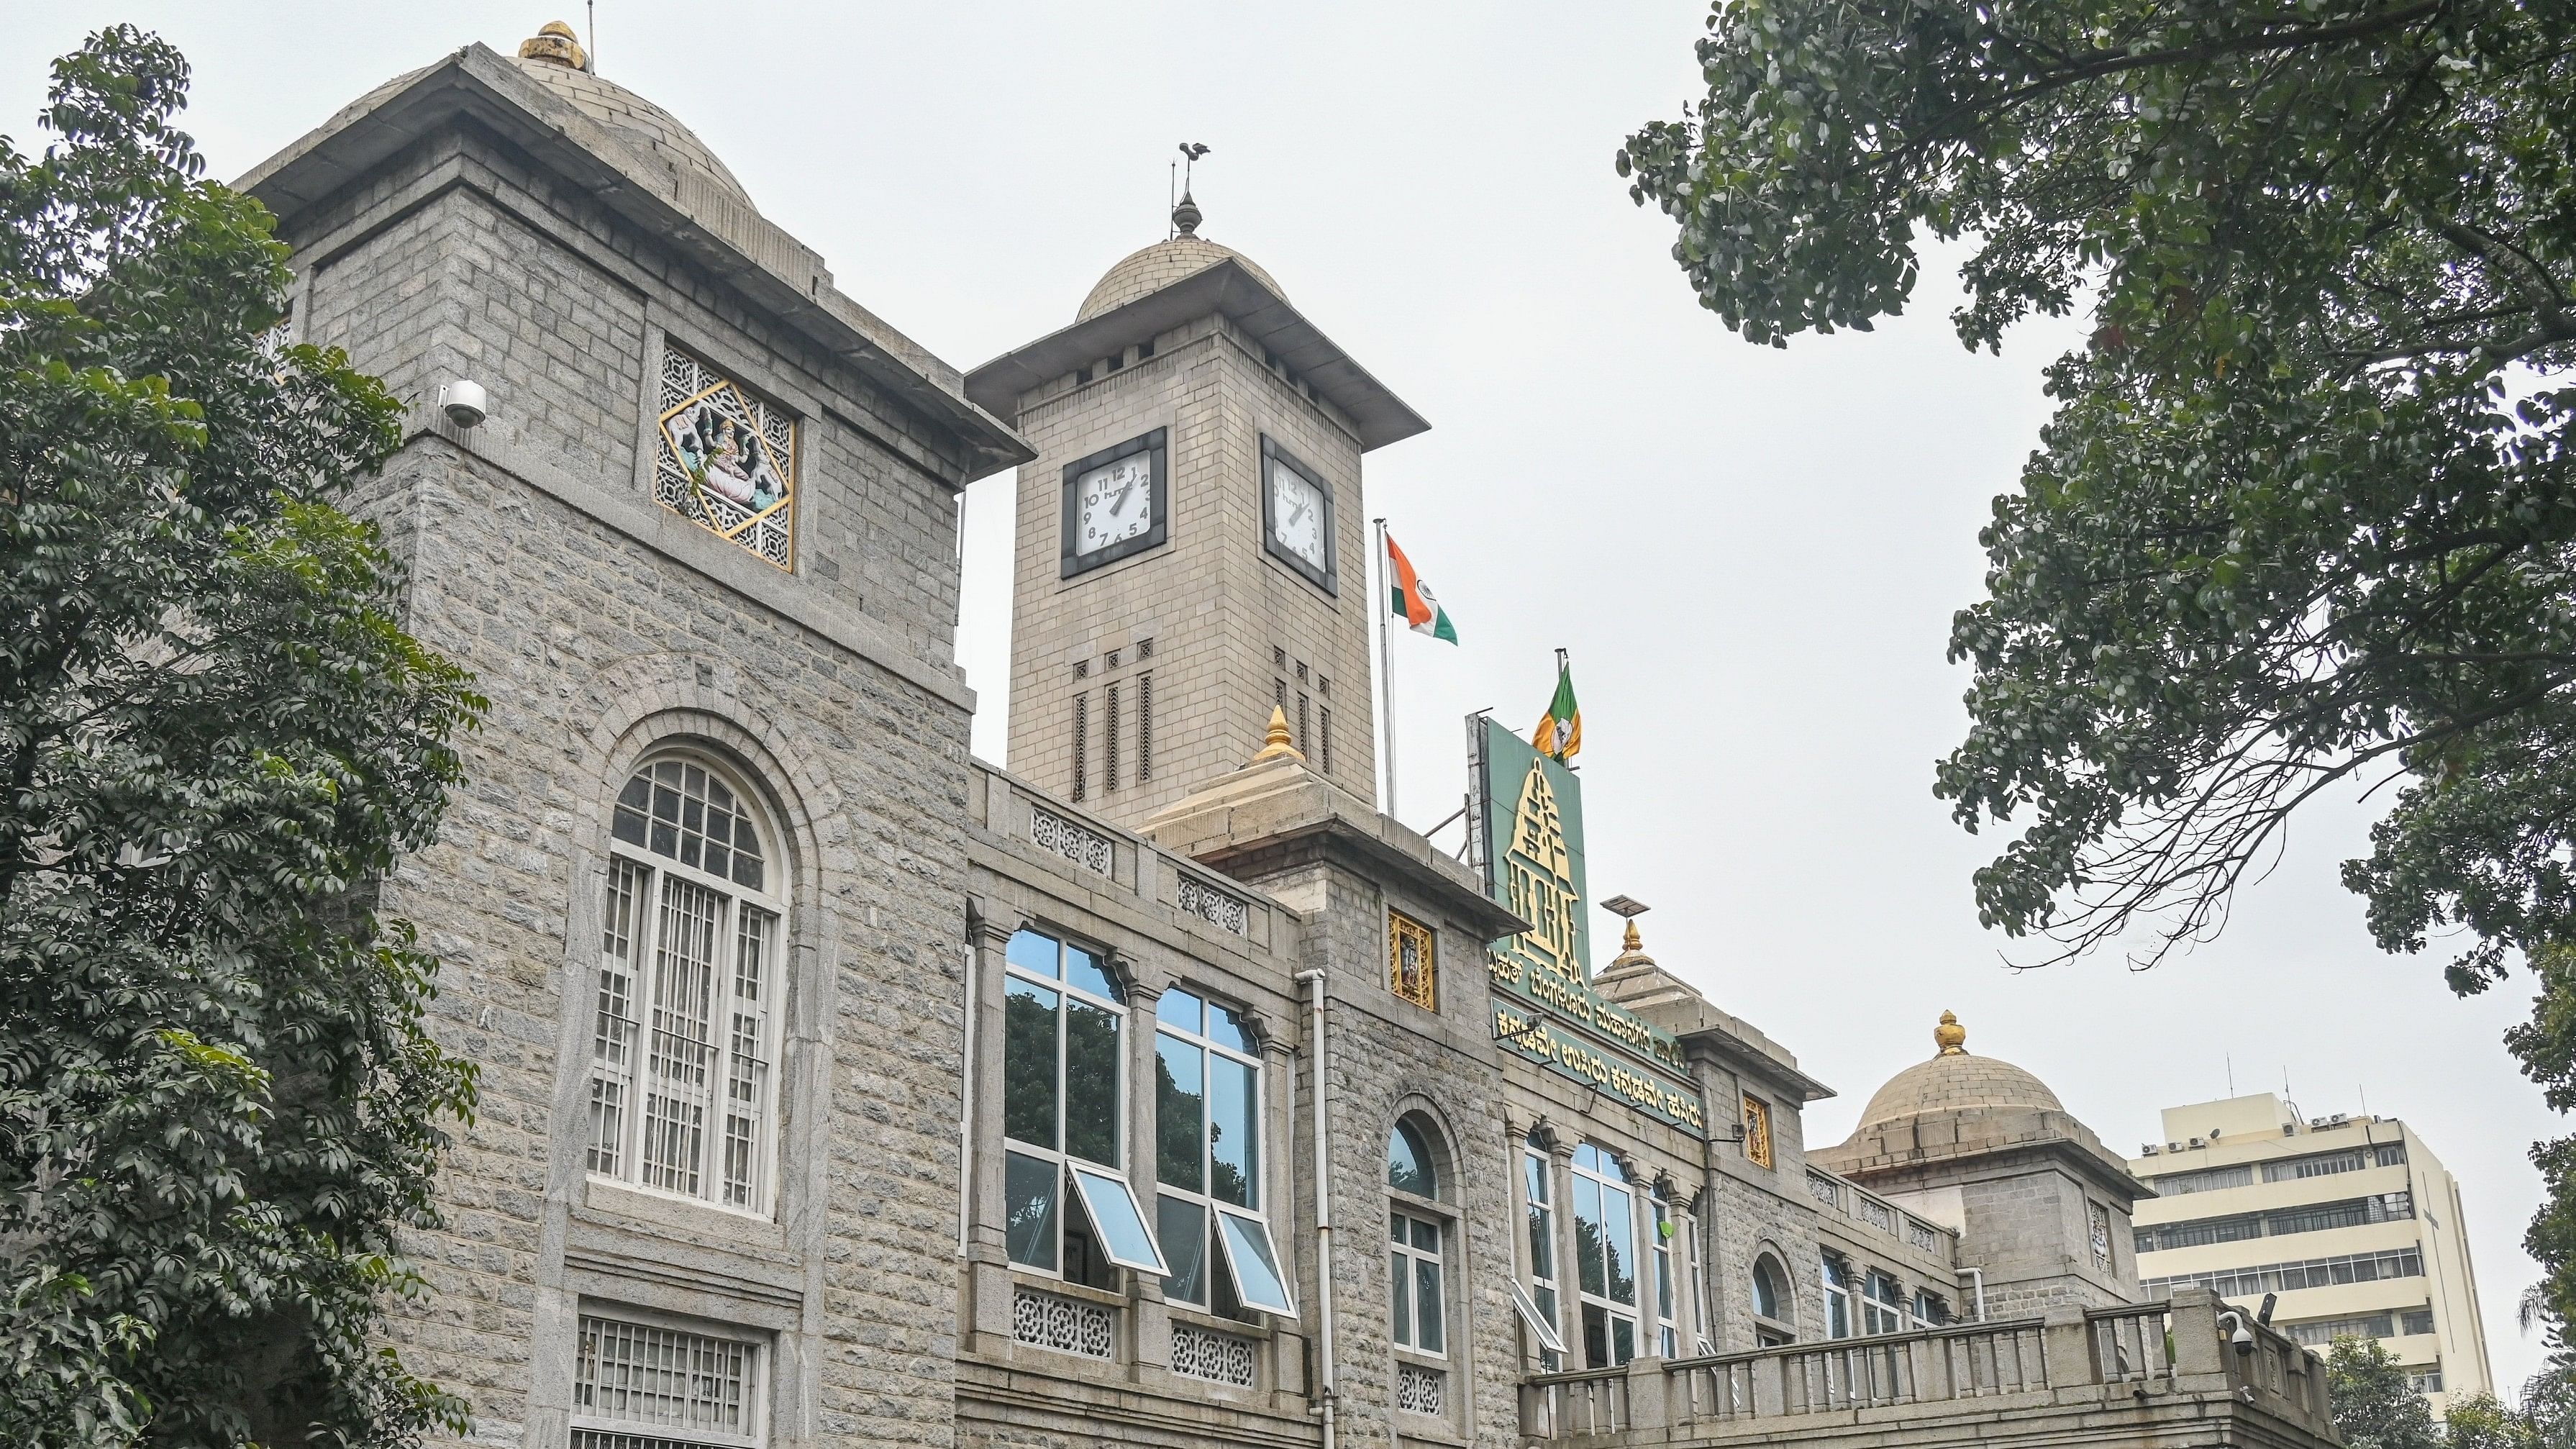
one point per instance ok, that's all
(1109, 744)
(1145, 719)
(1420, 1390)
(1047, 1320)
(1324, 737)
(2418, 1320)
(2325, 1165)
(1081, 742)
(639, 1383)
(2323, 1331)
(2174, 1184)
(1305, 716)
(1219, 909)
(1087, 848)
(1217, 1357)
(685, 1014)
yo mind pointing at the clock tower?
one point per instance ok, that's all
(1191, 540)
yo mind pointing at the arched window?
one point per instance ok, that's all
(1409, 1164)
(1772, 1304)
(1605, 1246)
(1063, 1083)
(1414, 1243)
(690, 987)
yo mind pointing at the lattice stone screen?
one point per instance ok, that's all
(1062, 1324)
(1420, 1390)
(1086, 848)
(1218, 1357)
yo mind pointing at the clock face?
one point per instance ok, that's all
(1113, 503)
(1297, 516)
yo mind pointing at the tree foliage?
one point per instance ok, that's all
(2304, 518)
(218, 1104)
(2373, 1406)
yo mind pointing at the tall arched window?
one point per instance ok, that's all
(1774, 1312)
(1413, 1243)
(682, 1096)
(1605, 1244)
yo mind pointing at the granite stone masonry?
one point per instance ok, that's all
(840, 1089)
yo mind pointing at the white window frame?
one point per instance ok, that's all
(1677, 1323)
(635, 982)
(1072, 1186)
(1835, 1274)
(1252, 1217)
(1407, 1261)
(1539, 1220)
(1881, 1315)
(608, 1429)
(1609, 1181)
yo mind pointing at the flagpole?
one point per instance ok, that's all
(1385, 669)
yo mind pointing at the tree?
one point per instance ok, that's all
(218, 1103)
(2304, 518)
(2373, 1407)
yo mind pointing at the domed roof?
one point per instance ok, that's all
(1954, 1081)
(1165, 262)
(553, 59)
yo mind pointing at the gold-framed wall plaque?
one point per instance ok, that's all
(1412, 968)
(1757, 1132)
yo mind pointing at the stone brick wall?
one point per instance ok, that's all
(602, 629)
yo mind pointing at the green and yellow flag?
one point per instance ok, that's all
(1560, 734)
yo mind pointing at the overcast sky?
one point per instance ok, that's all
(1753, 554)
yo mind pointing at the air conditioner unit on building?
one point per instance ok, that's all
(2196, 1142)
(2149, 1150)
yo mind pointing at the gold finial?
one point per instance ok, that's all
(555, 41)
(1632, 945)
(1950, 1037)
(1275, 743)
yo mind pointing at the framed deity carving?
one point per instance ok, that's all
(727, 458)
(1412, 969)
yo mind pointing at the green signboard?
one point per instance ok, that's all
(1530, 824)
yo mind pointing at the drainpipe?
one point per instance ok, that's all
(1318, 1078)
(1980, 1275)
(966, 1101)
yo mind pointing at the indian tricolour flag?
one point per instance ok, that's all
(1410, 599)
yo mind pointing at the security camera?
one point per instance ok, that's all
(462, 401)
(2242, 1339)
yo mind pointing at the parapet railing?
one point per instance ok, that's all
(2132, 1344)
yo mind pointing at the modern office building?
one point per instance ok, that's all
(2351, 1219)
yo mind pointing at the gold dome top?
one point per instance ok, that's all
(1950, 1037)
(554, 41)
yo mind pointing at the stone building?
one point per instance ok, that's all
(840, 1088)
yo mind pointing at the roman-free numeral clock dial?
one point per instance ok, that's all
(1297, 516)
(1117, 502)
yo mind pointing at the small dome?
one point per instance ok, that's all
(553, 60)
(1955, 1081)
(1165, 262)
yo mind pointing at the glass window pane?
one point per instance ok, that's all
(1395, 1228)
(1082, 971)
(1120, 1222)
(1426, 1302)
(1033, 953)
(1426, 1236)
(1182, 1226)
(1401, 1288)
(1596, 1337)
(1091, 1113)
(1623, 1341)
(1179, 1008)
(1257, 1280)
(1226, 1029)
(1234, 1137)
(1180, 1112)
(1028, 1063)
(1534, 1172)
(1619, 1238)
(1539, 1312)
(1588, 1237)
(1028, 1209)
(1408, 1162)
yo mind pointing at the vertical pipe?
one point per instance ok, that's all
(966, 1103)
(1318, 1080)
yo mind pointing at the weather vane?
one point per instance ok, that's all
(1191, 151)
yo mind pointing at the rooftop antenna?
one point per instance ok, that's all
(590, 21)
